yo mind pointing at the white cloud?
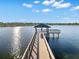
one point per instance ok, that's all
(56, 3)
(43, 10)
(36, 2)
(48, 2)
(60, 1)
(76, 8)
(64, 5)
(27, 5)
(61, 5)
(46, 10)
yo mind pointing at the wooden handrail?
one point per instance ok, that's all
(51, 55)
(28, 50)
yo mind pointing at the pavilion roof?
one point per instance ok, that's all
(42, 25)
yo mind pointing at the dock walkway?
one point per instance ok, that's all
(38, 48)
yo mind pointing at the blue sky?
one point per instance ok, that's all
(39, 11)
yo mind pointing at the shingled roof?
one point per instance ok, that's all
(42, 25)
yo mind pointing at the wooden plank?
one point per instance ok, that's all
(43, 53)
(41, 49)
(48, 48)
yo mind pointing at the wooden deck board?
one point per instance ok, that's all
(40, 48)
(43, 53)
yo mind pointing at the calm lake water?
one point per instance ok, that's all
(67, 46)
(14, 40)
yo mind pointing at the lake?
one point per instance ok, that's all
(14, 40)
(67, 46)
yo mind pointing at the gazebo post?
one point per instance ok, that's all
(42, 26)
(58, 36)
(41, 29)
(47, 30)
(35, 29)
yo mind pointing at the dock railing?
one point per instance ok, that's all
(28, 51)
(51, 55)
(29, 48)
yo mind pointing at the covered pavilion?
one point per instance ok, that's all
(41, 25)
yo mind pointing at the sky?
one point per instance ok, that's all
(52, 11)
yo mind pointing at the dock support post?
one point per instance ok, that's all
(41, 29)
(36, 30)
(58, 36)
(47, 30)
(53, 35)
(47, 34)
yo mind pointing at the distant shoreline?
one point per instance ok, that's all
(33, 24)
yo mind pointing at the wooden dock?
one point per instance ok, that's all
(38, 48)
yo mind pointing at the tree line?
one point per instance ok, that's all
(31, 24)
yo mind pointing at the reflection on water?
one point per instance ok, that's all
(13, 40)
(16, 42)
(67, 46)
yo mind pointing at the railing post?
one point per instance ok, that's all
(29, 48)
(48, 48)
(38, 49)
